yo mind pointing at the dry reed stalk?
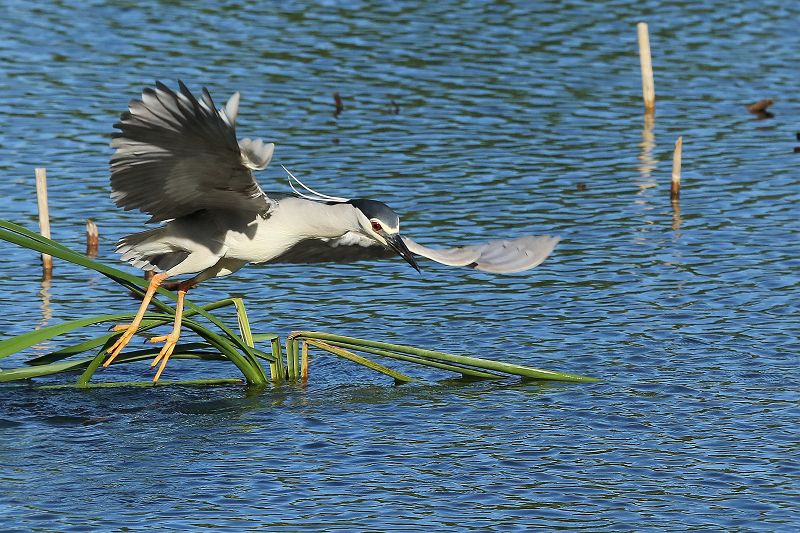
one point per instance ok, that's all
(675, 189)
(44, 218)
(648, 85)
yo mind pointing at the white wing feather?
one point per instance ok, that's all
(501, 257)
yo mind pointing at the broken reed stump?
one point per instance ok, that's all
(648, 85)
(92, 238)
(675, 189)
(44, 218)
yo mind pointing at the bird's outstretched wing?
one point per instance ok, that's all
(501, 256)
(348, 248)
(176, 155)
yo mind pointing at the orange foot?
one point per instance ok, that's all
(171, 340)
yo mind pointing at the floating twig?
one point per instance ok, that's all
(44, 218)
(648, 85)
(337, 100)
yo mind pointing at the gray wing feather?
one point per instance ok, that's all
(501, 257)
(348, 248)
(176, 155)
(463, 256)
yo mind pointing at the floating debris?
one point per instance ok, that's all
(337, 100)
(760, 106)
(759, 109)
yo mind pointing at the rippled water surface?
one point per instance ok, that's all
(472, 120)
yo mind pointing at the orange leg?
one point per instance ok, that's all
(130, 330)
(172, 339)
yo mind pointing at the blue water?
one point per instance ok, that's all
(689, 315)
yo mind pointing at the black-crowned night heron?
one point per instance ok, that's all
(177, 159)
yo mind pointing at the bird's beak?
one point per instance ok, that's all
(397, 244)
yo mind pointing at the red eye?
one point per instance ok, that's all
(376, 226)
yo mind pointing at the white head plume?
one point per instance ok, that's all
(316, 196)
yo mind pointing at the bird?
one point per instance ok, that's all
(177, 158)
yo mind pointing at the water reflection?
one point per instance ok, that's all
(676, 218)
(647, 163)
(45, 299)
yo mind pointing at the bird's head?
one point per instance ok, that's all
(379, 222)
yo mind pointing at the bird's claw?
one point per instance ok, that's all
(120, 344)
(170, 341)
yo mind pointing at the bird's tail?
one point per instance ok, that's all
(149, 251)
